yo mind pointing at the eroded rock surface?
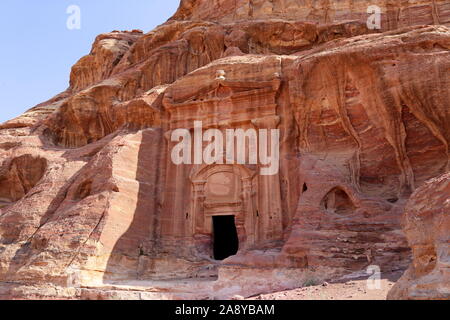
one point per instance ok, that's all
(427, 223)
(89, 196)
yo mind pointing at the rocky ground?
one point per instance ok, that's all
(352, 288)
(356, 289)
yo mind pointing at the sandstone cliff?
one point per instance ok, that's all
(426, 225)
(89, 197)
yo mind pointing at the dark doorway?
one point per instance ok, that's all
(226, 242)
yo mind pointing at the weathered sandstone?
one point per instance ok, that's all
(397, 13)
(426, 225)
(91, 205)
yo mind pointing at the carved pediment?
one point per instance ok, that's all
(220, 89)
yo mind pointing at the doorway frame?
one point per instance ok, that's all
(242, 207)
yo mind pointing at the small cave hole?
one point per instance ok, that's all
(393, 200)
(305, 187)
(338, 201)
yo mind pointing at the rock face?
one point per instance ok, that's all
(397, 14)
(90, 197)
(427, 223)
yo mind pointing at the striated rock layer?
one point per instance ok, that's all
(397, 13)
(91, 202)
(427, 223)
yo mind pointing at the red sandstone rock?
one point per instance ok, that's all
(397, 13)
(89, 195)
(427, 224)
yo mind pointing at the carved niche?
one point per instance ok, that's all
(224, 190)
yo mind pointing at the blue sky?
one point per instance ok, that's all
(38, 50)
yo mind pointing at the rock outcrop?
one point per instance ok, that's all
(397, 14)
(427, 224)
(91, 201)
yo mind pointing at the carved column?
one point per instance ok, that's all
(248, 212)
(198, 227)
(198, 216)
(173, 221)
(270, 215)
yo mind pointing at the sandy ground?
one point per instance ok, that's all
(355, 289)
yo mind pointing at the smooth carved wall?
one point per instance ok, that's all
(222, 187)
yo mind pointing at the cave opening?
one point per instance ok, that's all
(225, 237)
